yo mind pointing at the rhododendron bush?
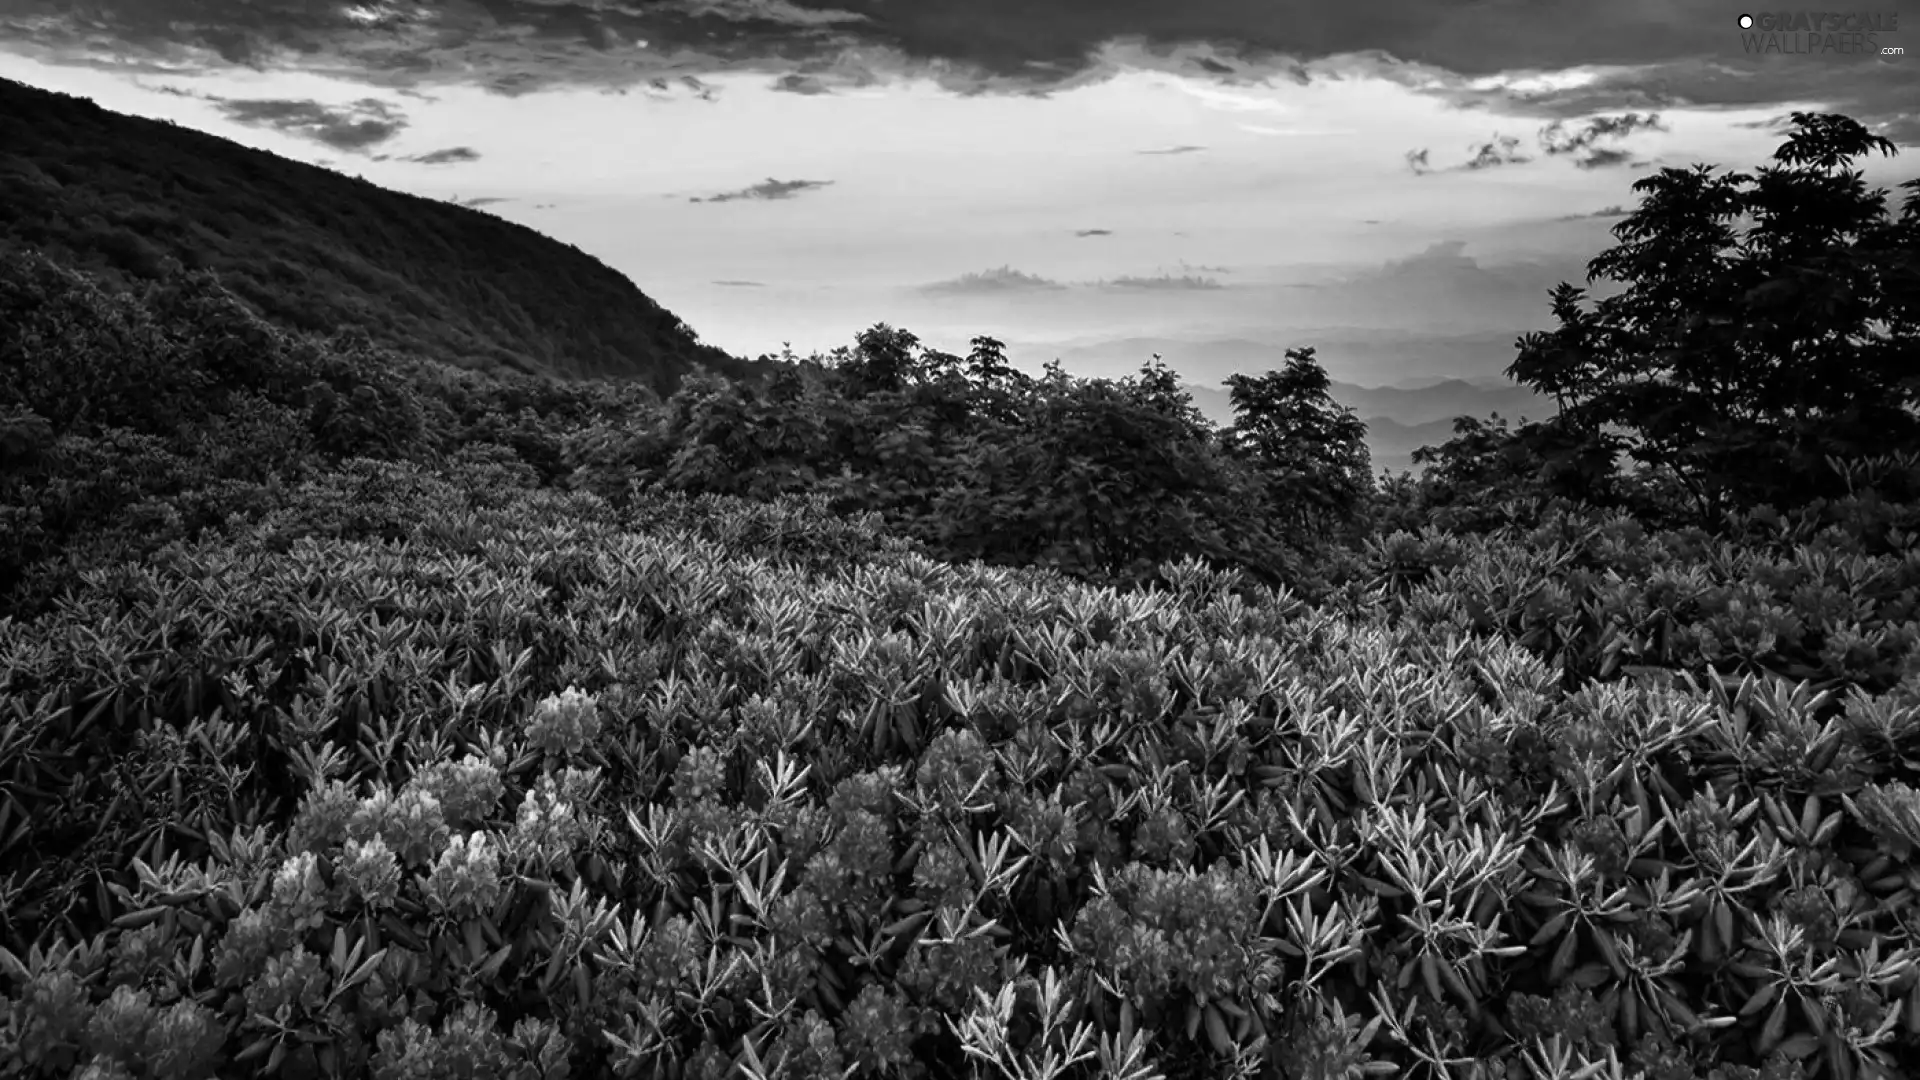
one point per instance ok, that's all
(524, 785)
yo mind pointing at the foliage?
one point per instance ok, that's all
(312, 250)
(1741, 361)
(1311, 452)
(517, 788)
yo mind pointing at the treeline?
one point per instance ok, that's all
(1725, 378)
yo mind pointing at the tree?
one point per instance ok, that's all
(1739, 360)
(1105, 483)
(882, 360)
(1311, 450)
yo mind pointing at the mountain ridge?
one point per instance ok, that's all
(1402, 419)
(315, 250)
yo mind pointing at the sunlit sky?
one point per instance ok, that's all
(1050, 173)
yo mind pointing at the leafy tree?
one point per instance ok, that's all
(998, 385)
(1105, 482)
(882, 360)
(1738, 361)
(1311, 450)
(1158, 387)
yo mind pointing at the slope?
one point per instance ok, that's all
(315, 250)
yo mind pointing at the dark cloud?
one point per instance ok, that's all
(1175, 150)
(1093, 232)
(451, 155)
(1647, 56)
(766, 189)
(483, 200)
(1604, 157)
(1500, 150)
(801, 84)
(1880, 95)
(1004, 279)
(356, 127)
(1556, 139)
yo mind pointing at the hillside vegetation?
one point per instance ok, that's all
(902, 715)
(312, 250)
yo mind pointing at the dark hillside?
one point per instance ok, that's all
(315, 250)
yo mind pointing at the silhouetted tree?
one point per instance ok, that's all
(1311, 450)
(1738, 361)
(881, 360)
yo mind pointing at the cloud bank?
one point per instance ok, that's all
(1644, 56)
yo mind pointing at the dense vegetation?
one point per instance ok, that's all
(131, 199)
(905, 714)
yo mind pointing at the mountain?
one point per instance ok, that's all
(1361, 355)
(1391, 444)
(1401, 420)
(1441, 401)
(316, 250)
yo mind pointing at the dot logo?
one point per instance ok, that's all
(1746, 22)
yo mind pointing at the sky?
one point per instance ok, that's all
(1054, 173)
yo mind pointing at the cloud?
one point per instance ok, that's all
(1443, 281)
(483, 200)
(1602, 157)
(1878, 94)
(1556, 139)
(1500, 150)
(1175, 150)
(1004, 279)
(1163, 282)
(1093, 232)
(1642, 56)
(355, 128)
(1614, 211)
(742, 284)
(801, 84)
(450, 155)
(766, 189)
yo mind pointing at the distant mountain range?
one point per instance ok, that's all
(1402, 419)
(316, 250)
(1403, 412)
(1356, 354)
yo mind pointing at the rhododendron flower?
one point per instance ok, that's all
(565, 724)
(465, 880)
(371, 871)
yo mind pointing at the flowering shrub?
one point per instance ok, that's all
(716, 816)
